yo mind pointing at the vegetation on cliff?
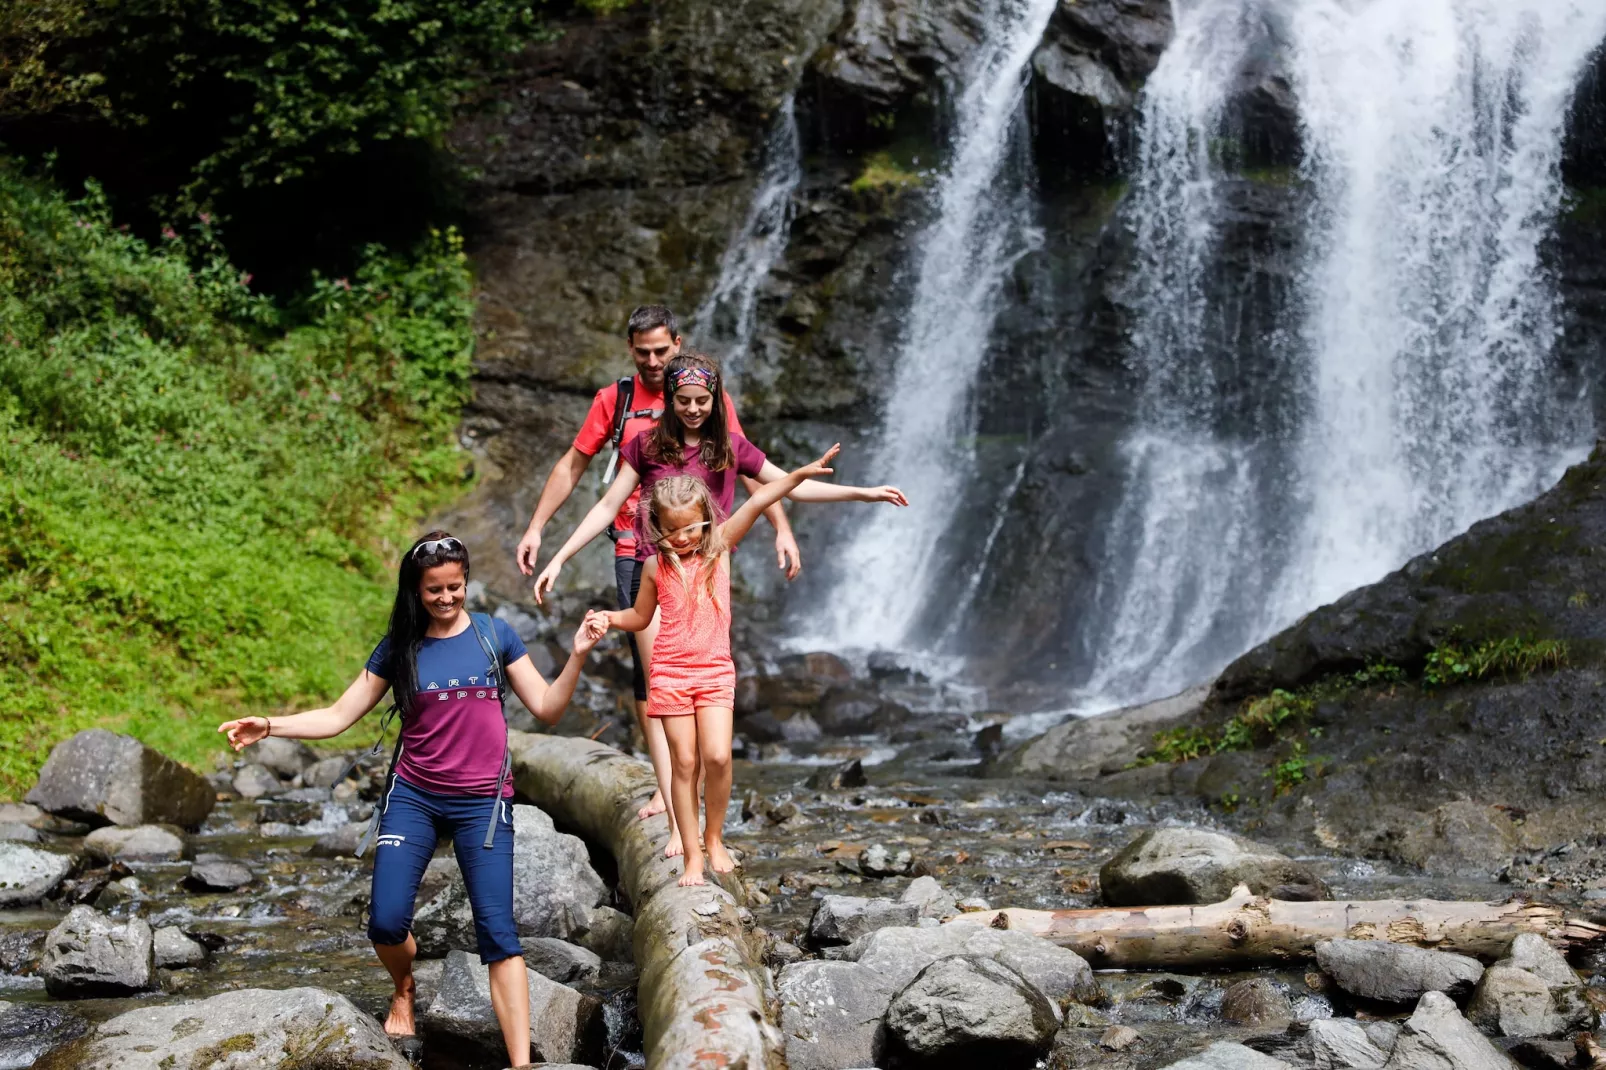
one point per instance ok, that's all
(201, 490)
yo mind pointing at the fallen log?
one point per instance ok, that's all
(1252, 930)
(700, 996)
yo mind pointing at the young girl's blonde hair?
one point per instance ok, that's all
(687, 492)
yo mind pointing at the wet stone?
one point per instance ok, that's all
(849, 774)
(89, 954)
(1256, 1001)
(102, 777)
(1395, 973)
(1118, 1038)
(341, 843)
(284, 758)
(1228, 1056)
(144, 843)
(253, 781)
(218, 875)
(28, 874)
(29, 1030)
(842, 919)
(1191, 865)
(19, 950)
(967, 1006)
(325, 772)
(175, 950)
(17, 832)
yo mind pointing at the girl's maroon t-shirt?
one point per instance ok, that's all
(721, 485)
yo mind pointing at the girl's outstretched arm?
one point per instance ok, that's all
(814, 491)
(548, 701)
(639, 615)
(363, 695)
(742, 521)
(595, 523)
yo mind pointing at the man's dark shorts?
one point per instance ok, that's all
(627, 574)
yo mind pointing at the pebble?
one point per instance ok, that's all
(1118, 1038)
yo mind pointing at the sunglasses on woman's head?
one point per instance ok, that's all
(432, 546)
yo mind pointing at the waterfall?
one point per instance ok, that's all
(725, 319)
(984, 207)
(1416, 392)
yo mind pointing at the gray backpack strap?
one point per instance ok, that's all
(368, 837)
(485, 631)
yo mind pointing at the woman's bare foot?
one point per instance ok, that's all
(719, 859)
(655, 805)
(400, 1023)
(675, 848)
(693, 875)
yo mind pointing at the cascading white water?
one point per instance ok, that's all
(723, 324)
(982, 227)
(1424, 326)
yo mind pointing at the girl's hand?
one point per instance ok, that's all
(821, 467)
(885, 494)
(245, 731)
(547, 580)
(590, 632)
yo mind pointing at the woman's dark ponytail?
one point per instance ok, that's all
(408, 617)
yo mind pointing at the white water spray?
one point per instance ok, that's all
(982, 228)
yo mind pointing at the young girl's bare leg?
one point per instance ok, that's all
(682, 735)
(714, 747)
(657, 749)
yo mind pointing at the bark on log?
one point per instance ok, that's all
(1252, 930)
(701, 993)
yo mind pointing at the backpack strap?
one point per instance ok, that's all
(485, 631)
(624, 394)
(391, 714)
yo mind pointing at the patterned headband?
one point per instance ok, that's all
(693, 377)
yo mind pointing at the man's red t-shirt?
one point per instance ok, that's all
(597, 431)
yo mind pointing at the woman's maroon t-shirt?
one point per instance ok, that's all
(721, 485)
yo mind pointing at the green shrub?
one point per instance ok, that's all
(1455, 662)
(200, 492)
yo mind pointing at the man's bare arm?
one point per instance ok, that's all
(565, 476)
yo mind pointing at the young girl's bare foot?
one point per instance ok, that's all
(655, 805)
(693, 875)
(400, 1022)
(675, 848)
(719, 859)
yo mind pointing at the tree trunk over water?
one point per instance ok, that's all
(1251, 930)
(700, 996)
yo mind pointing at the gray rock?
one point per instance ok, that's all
(1436, 1037)
(560, 961)
(555, 891)
(28, 874)
(253, 1027)
(899, 954)
(341, 843)
(1224, 1055)
(842, 919)
(609, 935)
(29, 1030)
(174, 950)
(878, 861)
(254, 781)
(565, 1026)
(1514, 1003)
(105, 778)
(1083, 747)
(144, 843)
(1118, 1038)
(1532, 952)
(20, 813)
(968, 1006)
(1395, 973)
(17, 832)
(849, 774)
(1256, 1001)
(1382, 1034)
(325, 772)
(285, 758)
(1190, 865)
(1341, 1044)
(831, 1014)
(89, 954)
(218, 875)
(929, 898)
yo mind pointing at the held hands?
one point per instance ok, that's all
(245, 731)
(590, 632)
(546, 580)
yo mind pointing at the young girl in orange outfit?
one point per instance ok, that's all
(691, 683)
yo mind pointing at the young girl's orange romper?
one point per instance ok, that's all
(691, 659)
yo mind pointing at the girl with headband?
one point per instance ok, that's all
(691, 439)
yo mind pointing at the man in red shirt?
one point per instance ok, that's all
(654, 339)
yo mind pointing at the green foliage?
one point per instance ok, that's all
(29, 84)
(1457, 663)
(1292, 770)
(200, 491)
(884, 175)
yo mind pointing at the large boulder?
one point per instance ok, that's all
(1081, 748)
(1342, 1044)
(1436, 1037)
(143, 843)
(89, 954)
(1395, 973)
(842, 919)
(555, 891)
(1225, 1055)
(254, 1027)
(28, 874)
(831, 1014)
(899, 954)
(561, 961)
(565, 1026)
(105, 778)
(29, 1030)
(254, 781)
(1176, 866)
(285, 758)
(176, 950)
(1532, 992)
(970, 1008)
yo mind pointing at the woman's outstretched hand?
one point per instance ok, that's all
(885, 494)
(546, 580)
(245, 731)
(821, 467)
(590, 632)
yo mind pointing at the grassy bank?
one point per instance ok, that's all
(201, 492)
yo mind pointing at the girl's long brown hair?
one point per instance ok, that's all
(667, 441)
(687, 492)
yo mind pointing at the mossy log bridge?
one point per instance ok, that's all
(701, 993)
(1247, 930)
